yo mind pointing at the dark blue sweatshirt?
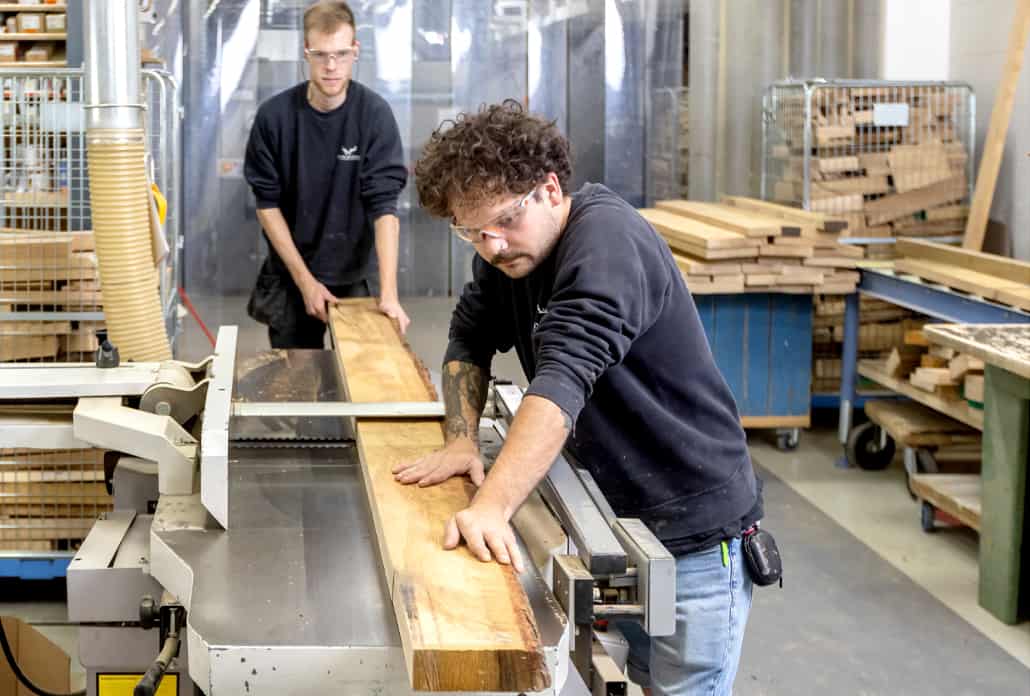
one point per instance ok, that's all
(606, 329)
(331, 174)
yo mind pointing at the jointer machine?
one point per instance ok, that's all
(240, 556)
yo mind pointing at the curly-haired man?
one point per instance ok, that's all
(620, 374)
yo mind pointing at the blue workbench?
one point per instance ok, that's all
(35, 565)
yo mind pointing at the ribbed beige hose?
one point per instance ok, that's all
(119, 195)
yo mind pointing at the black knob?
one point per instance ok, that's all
(149, 614)
(107, 354)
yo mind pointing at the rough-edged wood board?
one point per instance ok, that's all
(826, 223)
(25, 347)
(34, 494)
(1004, 345)
(1017, 297)
(874, 163)
(982, 284)
(963, 363)
(917, 166)
(692, 266)
(846, 250)
(915, 425)
(831, 262)
(465, 625)
(694, 232)
(838, 203)
(22, 529)
(724, 216)
(761, 279)
(836, 165)
(994, 144)
(34, 328)
(874, 370)
(973, 387)
(956, 494)
(899, 205)
(718, 285)
(947, 212)
(991, 264)
(786, 251)
(866, 185)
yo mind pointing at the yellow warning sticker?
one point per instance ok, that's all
(123, 684)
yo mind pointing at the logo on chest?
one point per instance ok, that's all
(348, 154)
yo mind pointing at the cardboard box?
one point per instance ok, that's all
(43, 662)
(30, 22)
(10, 51)
(57, 23)
(42, 51)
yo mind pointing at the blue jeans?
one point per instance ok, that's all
(712, 605)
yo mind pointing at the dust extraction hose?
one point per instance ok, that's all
(119, 194)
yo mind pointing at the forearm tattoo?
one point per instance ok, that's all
(464, 395)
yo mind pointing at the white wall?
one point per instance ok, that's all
(979, 43)
(916, 38)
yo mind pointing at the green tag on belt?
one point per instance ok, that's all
(725, 554)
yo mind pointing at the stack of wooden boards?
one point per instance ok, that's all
(883, 327)
(465, 625)
(47, 271)
(747, 245)
(49, 499)
(989, 276)
(891, 160)
(947, 381)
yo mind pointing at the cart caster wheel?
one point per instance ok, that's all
(864, 450)
(788, 440)
(927, 518)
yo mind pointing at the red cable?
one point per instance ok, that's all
(192, 310)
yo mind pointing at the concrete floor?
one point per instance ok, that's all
(870, 604)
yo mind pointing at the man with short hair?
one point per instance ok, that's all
(326, 165)
(620, 373)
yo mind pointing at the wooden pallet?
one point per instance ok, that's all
(959, 495)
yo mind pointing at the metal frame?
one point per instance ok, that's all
(936, 301)
(809, 88)
(164, 103)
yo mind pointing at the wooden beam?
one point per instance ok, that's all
(465, 625)
(827, 223)
(695, 232)
(994, 145)
(741, 222)
(981, 262)
(899, 205)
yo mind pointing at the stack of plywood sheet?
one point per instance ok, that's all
(49, 499)
(891, 160)
(47, 272)
(735, 247)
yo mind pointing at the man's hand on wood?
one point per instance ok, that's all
(393, 309)
(316, 296)
(486, 532)
(460, 456)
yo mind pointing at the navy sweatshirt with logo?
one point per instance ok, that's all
(606, 329)
(331, 174)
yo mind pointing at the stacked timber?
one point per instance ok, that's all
(888, 159)
(738, 246)
(49, 499)
(44, 271)
(984, 275)
(883, 326)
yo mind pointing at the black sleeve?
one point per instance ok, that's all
(611, 284)
(477, 328)
(383, 173)
(259, 166)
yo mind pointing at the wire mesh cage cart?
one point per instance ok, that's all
(51, 302)
(894, 159)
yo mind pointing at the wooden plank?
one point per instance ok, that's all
(899, 205)
(874, 163)
(826, 223)
(761, 279)
(694, 232)
(88, 299)
(990, 264)
(959, 495)
(838, 203)
(34, 495)
(47, 528)
(915, 425)
(962, 363)
(465, 625)
(973, 387)
(801, 275)
(867, 185)
(718, 285)
(836, 165)
(27, 347)
(831, 262)
(786, 251)
(947, 212)
(994, 144)
(759, 422)
(917, 166)
(902, 361)
(874, 370)
(34, 328)
(981, 284)
(692, 266)
(724, 217)
(1017, 297)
